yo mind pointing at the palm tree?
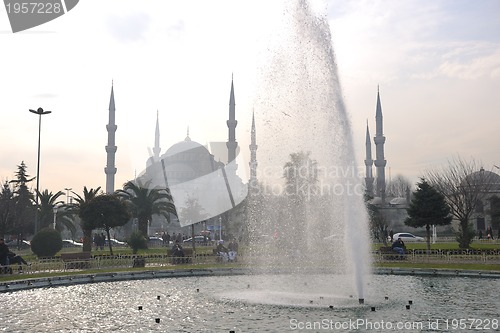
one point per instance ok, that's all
(47, 203)
(88, 195)
(147, 202)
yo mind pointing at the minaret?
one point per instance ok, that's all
(110, 169)
(156, 148)
(231, 125)
(253, 157)
(379, 140)
(368, 163)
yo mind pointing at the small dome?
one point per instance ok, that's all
(482, 176)
(399, 201)
(376, 201)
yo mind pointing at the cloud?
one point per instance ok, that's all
(468, 60)
(45, 95)
(130, 27)
(472, 61)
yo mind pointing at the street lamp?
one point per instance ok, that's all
(39, 112)
(220, 228)
(54, 209)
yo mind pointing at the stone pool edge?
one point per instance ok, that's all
(46, 282)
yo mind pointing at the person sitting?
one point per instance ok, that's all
(177, 252)
(232, 248)
(398, 246)
(4, 258)
(222, 252)
(17, 259)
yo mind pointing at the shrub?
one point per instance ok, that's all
(137, 241)
(46, 243)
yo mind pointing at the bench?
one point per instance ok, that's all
(5, 269)
(187, 259)
(386, 252)
(77, 260)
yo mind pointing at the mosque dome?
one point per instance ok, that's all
(481, 177)
(187, 147)
(187, 160)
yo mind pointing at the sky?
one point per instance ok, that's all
(435, 63)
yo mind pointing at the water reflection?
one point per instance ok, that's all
(248, 304)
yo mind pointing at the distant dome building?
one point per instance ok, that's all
(489, 180)
(488, 184)
(204, 188)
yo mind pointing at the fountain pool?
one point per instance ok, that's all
(243, 304)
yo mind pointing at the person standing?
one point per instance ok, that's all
(489, 232)
(4, 253)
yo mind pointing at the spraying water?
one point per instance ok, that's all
(307, 213)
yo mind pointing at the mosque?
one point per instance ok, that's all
(203, 186)
(393, 209)
(189, 168)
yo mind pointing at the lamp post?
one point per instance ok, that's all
(54, 209)
(39, 112)
(220, 228)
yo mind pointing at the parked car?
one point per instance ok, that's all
(407, 237)
(155, 241)
(115, 242)
(197, 240)
(71, 243)
(24, 244)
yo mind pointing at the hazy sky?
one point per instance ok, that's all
(437, 64)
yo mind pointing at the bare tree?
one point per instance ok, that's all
(399, 187)
(464, 185)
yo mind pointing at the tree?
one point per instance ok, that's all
(47, 203)
(428, 207)
(192, 211)
(62, 215)
(147, 202)
(24, 210)
(46, 243)
(6, 209)
(495, 212)
(399, 186)
(105, 211)
(75, 208)
(464, 187)
(301, 178)
(378, 223)
(301, 175)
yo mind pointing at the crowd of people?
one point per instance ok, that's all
(99, 241)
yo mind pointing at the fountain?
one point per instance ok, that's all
(314, 263)
(317, 222)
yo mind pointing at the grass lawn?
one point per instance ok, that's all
(474, 267)
(208, 249)
(443, 246)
